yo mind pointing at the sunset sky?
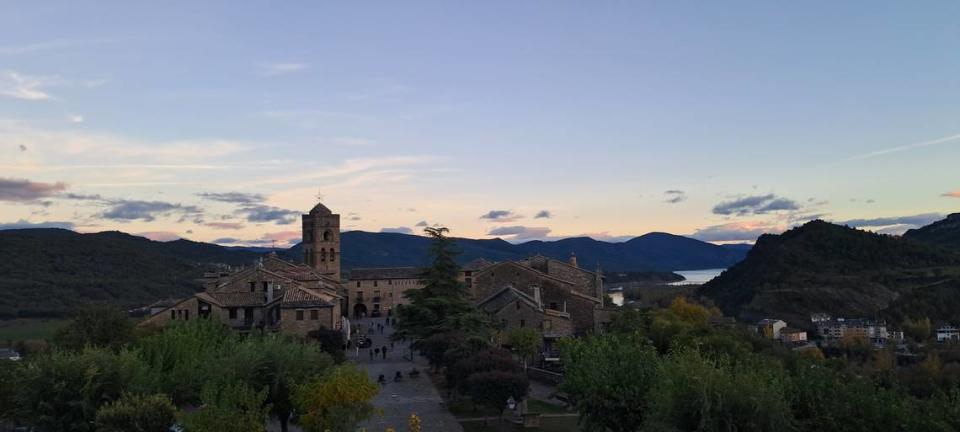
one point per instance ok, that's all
(522, 120)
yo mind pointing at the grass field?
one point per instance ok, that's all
(28, 329)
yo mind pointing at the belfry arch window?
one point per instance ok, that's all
(323, 255)
(326, 235)
(333, 255)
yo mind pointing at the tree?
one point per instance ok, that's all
(919, 330)
(609, 378)
(526, 341)
(278, 364)
(137, 413)
(492, 389)
(436, 307)
(337, 401)
(97, 326)
(231, 408)
(486, 360)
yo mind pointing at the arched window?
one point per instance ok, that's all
(333, 255)
(323, 255)
(326, 235)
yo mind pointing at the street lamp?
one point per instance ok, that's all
(511, 403)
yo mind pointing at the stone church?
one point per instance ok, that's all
(274, 294)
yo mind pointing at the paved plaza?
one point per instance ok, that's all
(400, 399)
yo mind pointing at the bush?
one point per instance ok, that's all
(137, 413)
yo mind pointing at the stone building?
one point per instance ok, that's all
(378, 291)
(556, 286)
(274, 294)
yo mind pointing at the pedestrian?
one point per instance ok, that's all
(384, 353)
(371, 353)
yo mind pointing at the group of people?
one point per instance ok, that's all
(398, 376)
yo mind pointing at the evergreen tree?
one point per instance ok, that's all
(442, 305)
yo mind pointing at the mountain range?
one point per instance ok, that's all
(48, 272)
(842, 271)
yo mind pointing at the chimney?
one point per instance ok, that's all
(536, 296)
(573, 259)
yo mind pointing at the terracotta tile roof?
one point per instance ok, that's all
(302, 297)
(234, 299)
(385, 273)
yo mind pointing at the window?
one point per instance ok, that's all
(389, 281)
(469, 281)
(314, 314)
(326, 235)
(467, 273)
(173, 314)
(523, 323)
(266, 286)
(358, 284)
(186, 315)
(333, 255)
(233, 313)
(253, 286)
(374, 283)
(299, 315)
(518, 304)
(547, 325)
(323, 255)
(553, 305)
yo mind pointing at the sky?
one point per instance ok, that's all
(224, 121)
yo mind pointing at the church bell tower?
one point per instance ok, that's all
(321, 241)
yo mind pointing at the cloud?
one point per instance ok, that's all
(24, 224)
(674, 196)
(399, 230)
(23, 148)
(275, 69)
(951, 194)
(225, 225)
(929, 143)
(520, 232)
(233, 197)
(55, 44)
(25, 87)
(227, 240)
(82, 197)
(422, 224)
(501, 216)
(75, 118)
(283, 238)
(607, 237)
(128, 210)
(543, 214)
(23, 190)
(912, 221)
(736, 231)
(160, 236)
(265, 213)
(755, 205)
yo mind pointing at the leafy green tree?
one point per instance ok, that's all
(919, 330)
(610, 380)
(137, 413)
(62, 391)
(486, 360)
(96, 326)
(493, 388)
(337, 401)
(235, 407)
(279, 364)
(526, 341)
(700, 394)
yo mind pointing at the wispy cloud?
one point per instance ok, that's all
(519, 233)
(902, 148)
(755, 205)
(264, 213)
(501, 216)
(23, 190)
(543, 214)
(275, 69)
(911, 220)
(233, 197)
(25, 87)
(674, 196)
(398, 230)
(160, 236)
(129, 210)
(951, 194)
(24, 224)
(50, 45)
(736, 231)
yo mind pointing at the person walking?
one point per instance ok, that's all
(370, 350)
(384, 350)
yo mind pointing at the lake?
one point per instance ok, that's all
(693, 277)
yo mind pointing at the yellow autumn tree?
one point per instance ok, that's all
(337, 401)
(689, 312)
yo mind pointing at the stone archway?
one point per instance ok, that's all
(359, 310)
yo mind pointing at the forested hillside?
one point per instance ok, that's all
(821, 267)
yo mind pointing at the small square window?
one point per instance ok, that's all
(299, 315)
(314, 314)
(523, 323)
(233, 313)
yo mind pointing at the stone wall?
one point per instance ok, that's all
(290, 325)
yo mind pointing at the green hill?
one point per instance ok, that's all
(945, 232)
(821, 267)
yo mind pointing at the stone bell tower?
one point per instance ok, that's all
(321, 241)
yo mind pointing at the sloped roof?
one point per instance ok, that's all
(237, 299)
(477, 264)
(320, 209)
(301, 297)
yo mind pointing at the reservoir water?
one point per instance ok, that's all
(692, 277)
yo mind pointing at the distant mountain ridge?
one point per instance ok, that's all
(47, 272)
(649, 252)
(822, 267)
